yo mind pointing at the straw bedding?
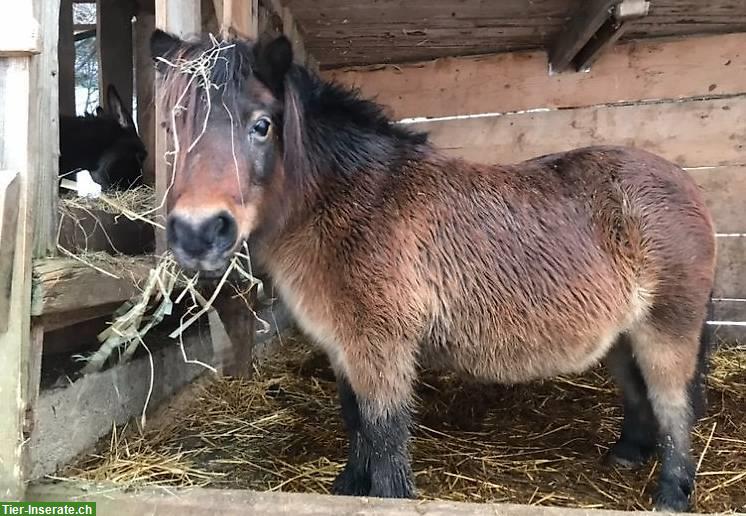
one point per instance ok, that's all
(537, 444)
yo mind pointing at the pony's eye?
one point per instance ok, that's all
(261, 127)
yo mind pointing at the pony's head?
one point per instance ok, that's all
(256, 139)
(224, 106)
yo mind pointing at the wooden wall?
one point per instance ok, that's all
(685, 100)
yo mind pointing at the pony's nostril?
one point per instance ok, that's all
(181, 234)
(221, 231)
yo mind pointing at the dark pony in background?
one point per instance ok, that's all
(391, 255)
(105, 143)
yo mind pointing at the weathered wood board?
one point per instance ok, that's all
(629, 72)
(724, 189)
(10, 189)
(66, 285)
(199, 501)
(89, 230)
(693, 133)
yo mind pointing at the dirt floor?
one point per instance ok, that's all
(536, 444)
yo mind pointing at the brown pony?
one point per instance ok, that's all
(391, 255)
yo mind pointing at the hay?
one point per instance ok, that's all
(538, 444)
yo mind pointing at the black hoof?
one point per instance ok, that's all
(673, 495)
(397, 484)
(351, 482)
(628, 454)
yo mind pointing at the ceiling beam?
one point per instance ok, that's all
(610, 32)
(587, 20)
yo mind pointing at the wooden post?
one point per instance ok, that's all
(114, 39)
(182, 18)
(28, 143)
(66, 53)
(240, 17)
(586, 21)
(9, 197)
(239, 323)
(44, 142)
(144, 79)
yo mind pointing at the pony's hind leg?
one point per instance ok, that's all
(355, 477)
(637, 441)
(668, 361)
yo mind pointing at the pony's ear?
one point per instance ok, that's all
(273, 60)
(117, 109)
(162, 45)
(99, 112)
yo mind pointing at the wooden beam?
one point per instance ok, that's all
(586, 21)
(20, 35)
(67, 285)
(240, 17)
(111, 499)
(9, 199)
(28, 135)
(94, 230)
(239, 323)
(80, 36)
(66, 58)
(182, 18)
(15, 92)
(624, 15)
(144, 86)
(45, 138)
(115, 61)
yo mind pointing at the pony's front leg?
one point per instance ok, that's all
(375, 398)
(385, 435)
(355, 477)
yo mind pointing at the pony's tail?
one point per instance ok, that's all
(707, 344)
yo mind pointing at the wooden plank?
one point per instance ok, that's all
(33, 383)
(693, 134)
(238, 321)
(585, 22)
(44, 139)
(182, 18)
(14, 106)
(66, 58)
(240, 17)
(730, 274)
(144, 82)
(66, 285)
(709, 65)
(20, 35)
(601, 42)
(115, 396)
(200, 501)
(93, 230)
(10, 185)
(614, 27)
(724, 189)
(59, 320)
(115, 61)
(730, 312)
